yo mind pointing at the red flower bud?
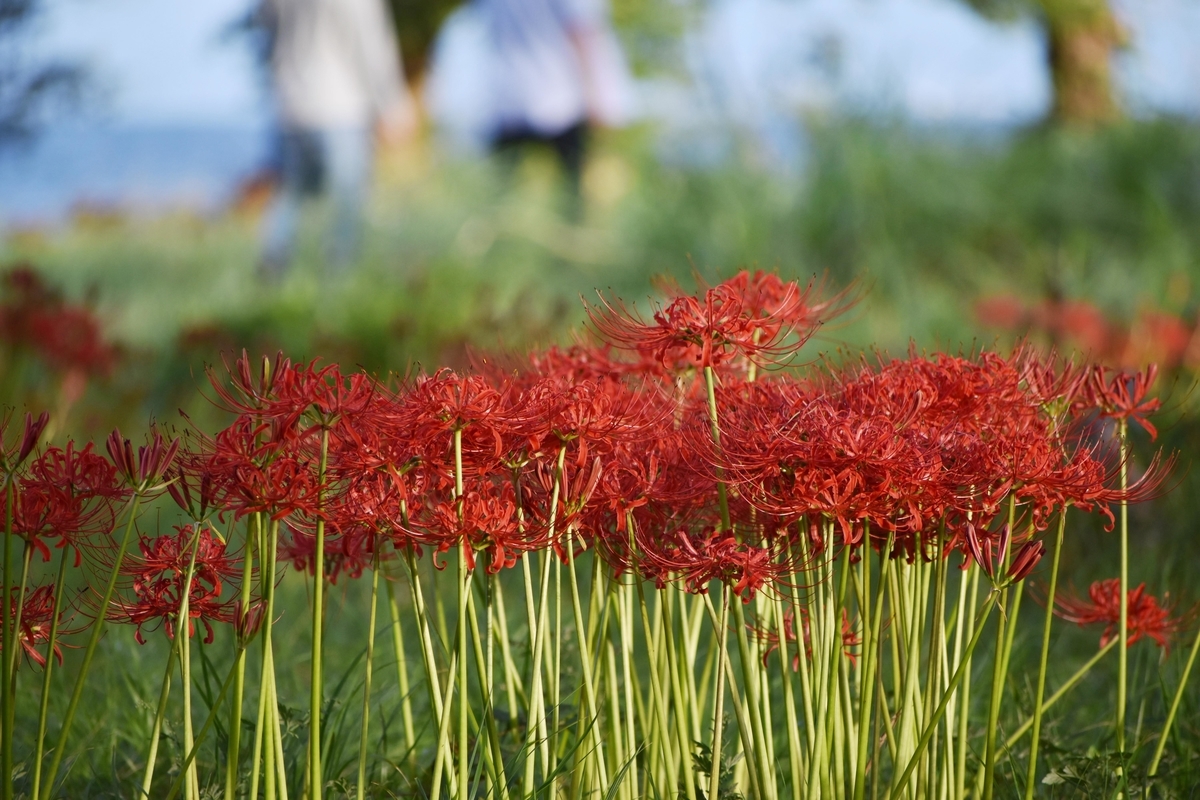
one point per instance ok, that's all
(1027, 558)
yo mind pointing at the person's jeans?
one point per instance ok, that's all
(334, 161)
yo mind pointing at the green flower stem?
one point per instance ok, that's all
(428, 657)
(1046, 705)
(159, 714)
(513, 689)
(1045, 659)
(443, 750)
(89, 653)
(722, 632)
(44, 708)
(536, 734)
(1183, 680)
(592, 723)
(259, 731)
(316, 775)
(208, 723)
(657, 693)
(870, 660)
(998, 665)
(190, 789)
(492, 756)
(964, 693)
(710, 384)
(239, 683)
(406, 713)
(8, 644)
(1123, 624)
(900, 785)
(745, 726)
(668, 642)
(366, 710)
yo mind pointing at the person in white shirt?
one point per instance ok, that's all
(335, 66)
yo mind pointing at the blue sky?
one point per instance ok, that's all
(165, 61)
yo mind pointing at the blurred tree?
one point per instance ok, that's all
(1081, 36)
(27, 88)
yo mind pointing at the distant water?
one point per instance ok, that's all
(140, 168)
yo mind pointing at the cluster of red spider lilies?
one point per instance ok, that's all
(643, 497)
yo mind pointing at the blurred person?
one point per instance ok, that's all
(513, 73)
(335, 67)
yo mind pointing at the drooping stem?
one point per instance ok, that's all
(1045, 659)
(315, 776)
(90, 652)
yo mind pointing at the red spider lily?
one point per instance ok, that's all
(1123, 395)
(1145, 616)
(251, 391)
(709, 331)
(66, 337)
(69, 495)
(259, 468)
(37, 614)
(699, 560)
(14, 457)
(348, 554)
(850, 639)
(152, 462)
(159, 577)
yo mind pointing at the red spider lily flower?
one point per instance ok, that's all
(251, 391)
(259, 467)
(349, 554)
(67, 494)
(709, 331)
(37, 614)
(160, 575)
(30, 437)
(67, 337)
(1123, 396)
(698, 560)
(152, 462)
(850, 639)
(1145, 616)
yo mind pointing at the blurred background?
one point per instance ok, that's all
(980, 169)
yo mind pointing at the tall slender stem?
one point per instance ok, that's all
(1045, 659)
(366, 708)
(52, 640)
(406, 713)
(1122, 625)
(7, 640)
(316, 775)
(915, 758)
(1166, 731)
(239, 681)
(88, 654)
(719, 692)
